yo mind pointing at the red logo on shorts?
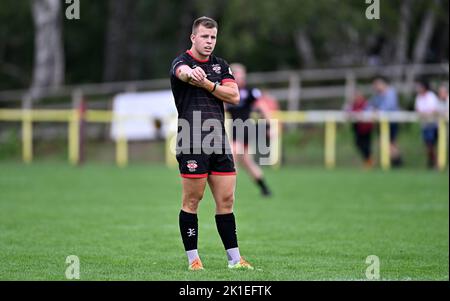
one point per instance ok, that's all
(192, 165)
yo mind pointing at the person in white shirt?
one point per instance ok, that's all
(428, 107)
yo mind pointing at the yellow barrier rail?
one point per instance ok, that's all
(73, 117)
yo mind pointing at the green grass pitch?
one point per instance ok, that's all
(320, 225)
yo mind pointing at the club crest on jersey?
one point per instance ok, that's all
(216, 68)
(192, 165)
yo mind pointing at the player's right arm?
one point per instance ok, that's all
(187, 74)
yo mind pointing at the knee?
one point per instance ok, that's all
(191, 201)
(226, 202)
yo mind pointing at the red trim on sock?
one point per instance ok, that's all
(228, 173)
(194, 176)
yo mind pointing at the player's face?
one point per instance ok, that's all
(204, 40)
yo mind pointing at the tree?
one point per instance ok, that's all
(401, 55)
(48, 71)
(425, 33)
(119, 44)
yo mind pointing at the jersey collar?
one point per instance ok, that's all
(198, 60)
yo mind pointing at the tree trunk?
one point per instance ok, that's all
(425, 34)
(401, 55)
(48, 71)
(305, 49)
(119, 38)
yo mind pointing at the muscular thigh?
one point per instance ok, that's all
(222, 187)
(193, 188)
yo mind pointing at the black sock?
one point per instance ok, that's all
(263, 186)
(189, 230)
(226, 225)
(397, 162)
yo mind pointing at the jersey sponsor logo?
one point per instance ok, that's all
(216, 68)
(192, 165)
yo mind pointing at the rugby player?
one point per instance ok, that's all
(201, 83)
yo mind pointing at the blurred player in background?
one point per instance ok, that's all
(251, 98)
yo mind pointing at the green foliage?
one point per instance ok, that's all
(11, 147)
(16, 44)
(84, 43)
(260, 33)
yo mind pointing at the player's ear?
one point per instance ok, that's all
(192, 37)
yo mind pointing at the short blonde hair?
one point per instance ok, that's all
(205, 21)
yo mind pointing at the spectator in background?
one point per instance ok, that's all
(443, 100)
(428, 107)
(386, 100)
(362, 130)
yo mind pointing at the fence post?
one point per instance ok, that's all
(385, 144)
(279, 150)
(442, 144)
(330, 143)
(411, 72)
(121, 145)
(27, 130)
(170, 147)
(350, 87)
(74, 138)
(75, 127)
(294, 93)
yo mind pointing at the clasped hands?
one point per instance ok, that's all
(197, 77)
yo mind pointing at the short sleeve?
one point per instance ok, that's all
(178, 62)
(227, 74)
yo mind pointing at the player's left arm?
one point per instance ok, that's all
(227, 92)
